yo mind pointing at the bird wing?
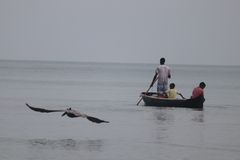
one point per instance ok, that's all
(43, 110)
(96, 120)
(70, 113)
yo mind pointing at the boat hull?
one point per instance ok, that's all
(150, 99)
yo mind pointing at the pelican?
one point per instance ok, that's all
(69, 112)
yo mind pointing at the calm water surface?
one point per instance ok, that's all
(110, 91)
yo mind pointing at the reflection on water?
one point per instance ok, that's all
(168, 115)
(198, 117)
(163, 116)
(67, 144)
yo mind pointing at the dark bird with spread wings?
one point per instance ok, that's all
(69, 112)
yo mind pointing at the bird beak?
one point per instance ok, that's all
(64, 114)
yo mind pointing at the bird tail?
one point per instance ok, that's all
(96, 120)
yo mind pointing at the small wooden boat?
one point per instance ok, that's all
(152, 99)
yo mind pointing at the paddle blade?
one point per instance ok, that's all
(96, 120)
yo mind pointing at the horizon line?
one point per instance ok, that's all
(112, 62)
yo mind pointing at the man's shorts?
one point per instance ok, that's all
(162, 87)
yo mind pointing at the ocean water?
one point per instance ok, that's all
(110, 91)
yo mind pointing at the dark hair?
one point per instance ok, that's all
(172, 85)
(202, 85)
(162, 60)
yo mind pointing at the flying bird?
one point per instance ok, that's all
(69, 112)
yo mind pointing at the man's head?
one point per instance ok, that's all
(172, 85)
(162, 60)
(202, 85)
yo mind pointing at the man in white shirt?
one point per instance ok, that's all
(162, 73)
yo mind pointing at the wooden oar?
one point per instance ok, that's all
(141, 96)
(182, 96)
(146, 91)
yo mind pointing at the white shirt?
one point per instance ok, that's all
(163, 72)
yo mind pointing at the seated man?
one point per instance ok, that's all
(172, 93)
(198, 91)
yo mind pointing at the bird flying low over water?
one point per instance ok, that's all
(69, 112)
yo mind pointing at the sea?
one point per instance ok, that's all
(110, 91)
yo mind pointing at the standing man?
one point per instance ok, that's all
(162, 73)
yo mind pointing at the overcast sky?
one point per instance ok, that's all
(139, 31)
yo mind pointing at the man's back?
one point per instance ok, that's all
(172, 93)
(198, 91)
(163, 72)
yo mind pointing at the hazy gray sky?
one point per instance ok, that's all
(183, 31)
